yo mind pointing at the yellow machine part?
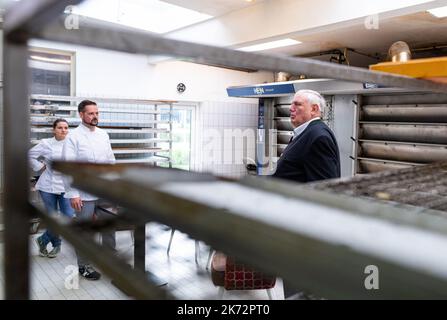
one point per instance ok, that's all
(434, 69)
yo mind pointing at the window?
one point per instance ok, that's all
(51, 72)
(182, 136)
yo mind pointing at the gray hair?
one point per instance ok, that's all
(313, 97)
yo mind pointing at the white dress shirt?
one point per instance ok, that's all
(300, 129)
(42, 154)
(85, 145)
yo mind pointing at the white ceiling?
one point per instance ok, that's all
(418, 30)
(214, 7)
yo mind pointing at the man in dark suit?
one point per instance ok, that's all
(312, 153)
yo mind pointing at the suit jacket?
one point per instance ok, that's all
(311, 156)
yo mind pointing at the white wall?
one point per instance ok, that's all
(226, 136)
(106, 73)
(203, 83)
(122, 75)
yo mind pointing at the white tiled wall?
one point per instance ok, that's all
(219, 152)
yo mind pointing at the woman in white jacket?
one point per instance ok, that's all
(50, 183)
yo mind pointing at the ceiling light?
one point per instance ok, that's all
(270, 45)
(151, 15)
(439, 12)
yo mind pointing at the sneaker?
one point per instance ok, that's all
(42, 247)
(89, 273)
(53, 253)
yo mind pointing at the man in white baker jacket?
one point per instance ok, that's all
(87, 143)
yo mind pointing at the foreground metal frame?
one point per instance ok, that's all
(307, 262)
(30, 19)
(121, 273)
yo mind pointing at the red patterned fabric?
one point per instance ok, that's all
(241, 277)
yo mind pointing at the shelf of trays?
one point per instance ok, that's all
(138, 129)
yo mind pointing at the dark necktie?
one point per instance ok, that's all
(291, 138)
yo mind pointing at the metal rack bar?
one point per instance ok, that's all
(400, 214)
(404, 143)
(100, 99)
(16, 213)
(156, 117)
(151, 194)
(251, 238)
(390, 161)
(137, 141)
(136, 151)
(422, 186)
(406, 152)
(72, 121)
(144, 130)
(30, 16)
(153, 160)
(130, 131)
(119, 39)
(122, 274)
(171, 110)
(401, 123)
(54, 108)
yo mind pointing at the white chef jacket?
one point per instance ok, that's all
(42, 154)
(82, 144)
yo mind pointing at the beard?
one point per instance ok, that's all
(93, 122)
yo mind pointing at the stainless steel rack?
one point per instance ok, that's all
(327, 267)
(420, 186)
(401, 131)
(133, 125)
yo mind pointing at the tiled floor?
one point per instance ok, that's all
(186, 279)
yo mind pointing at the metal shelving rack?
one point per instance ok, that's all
(400, 131)
(276, 248)
(158, 114)
(133, 140)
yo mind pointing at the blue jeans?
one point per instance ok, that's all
(51, 201)
(86, 214)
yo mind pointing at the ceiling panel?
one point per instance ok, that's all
(214, 7)
(418, 30)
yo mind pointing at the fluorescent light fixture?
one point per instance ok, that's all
(150, 15)
(270, 45)
(439, 12)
